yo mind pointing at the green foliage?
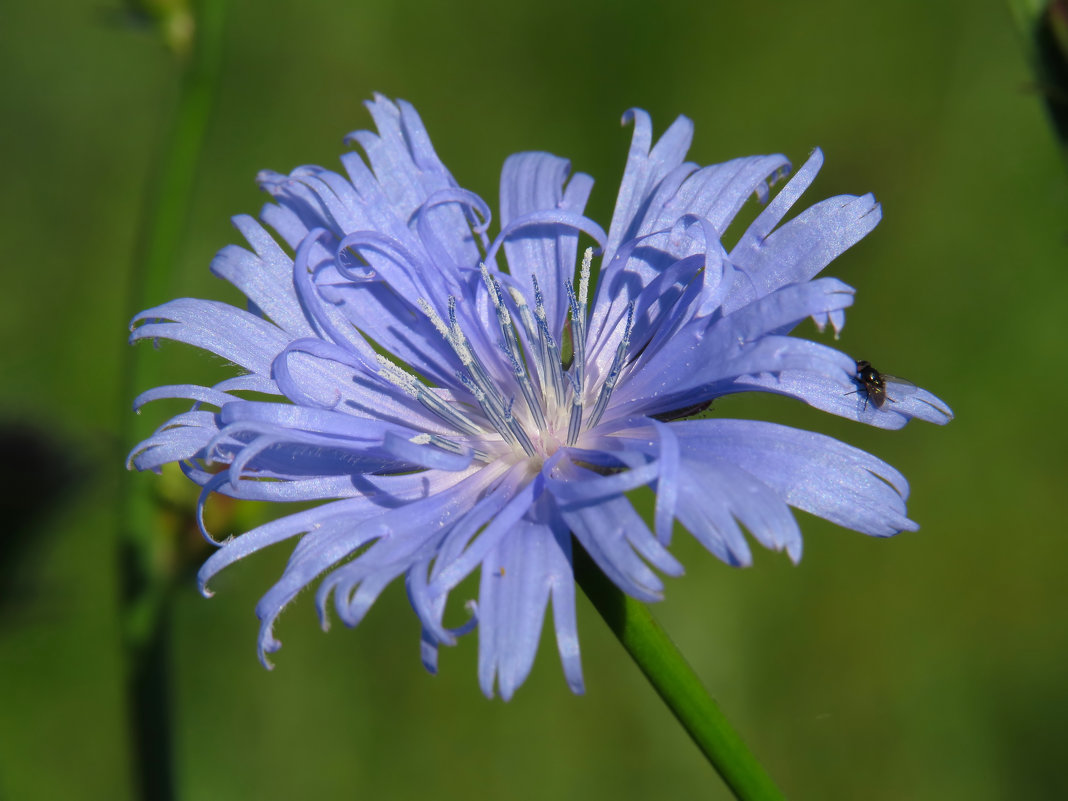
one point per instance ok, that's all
(927, 667)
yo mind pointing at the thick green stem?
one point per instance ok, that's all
(676, 683)
(149, 537)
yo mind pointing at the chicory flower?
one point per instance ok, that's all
(460, 402)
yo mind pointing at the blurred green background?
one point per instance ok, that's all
(931, 666)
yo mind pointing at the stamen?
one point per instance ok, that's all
(541, 359)
(552, 362)
(524, 313)
(493, 410)
(574, 425)
(584, 276)
(395, 375)
(553, 365)
(534, 357)
(578, 309)
(454, 336)
(518, 430)
(434, 317)
(431, 402)
(613, 372)
(511, 348)
(533, 400)
(455, 447)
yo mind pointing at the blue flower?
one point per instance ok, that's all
(453, 415)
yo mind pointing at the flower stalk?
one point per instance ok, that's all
(149, 538)
(675, 682)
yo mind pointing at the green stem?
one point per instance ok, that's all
(676, 683)
(149, 538)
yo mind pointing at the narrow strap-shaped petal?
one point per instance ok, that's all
(714, 491)
(279, 530)
(617, 538)
(522, 497)
(801, 248)
(646, 167)
(715, 193)
(409, 171)
(533, 182)
(602, 532)
(667, 482)
(219, 328)
(697, 353)
(841, 395)
(284, 491)
(192, 392)
(565, 619)
(731, 370)
(783, 201)
(173, 443)
(810, 471)
(264, 276)
(570, 493)
(513, 595)
(337, 537)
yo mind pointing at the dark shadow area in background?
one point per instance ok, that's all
(39, 474)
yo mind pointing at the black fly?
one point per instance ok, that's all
(872, 381)
(874, 384)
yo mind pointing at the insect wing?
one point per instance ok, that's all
(897, 388)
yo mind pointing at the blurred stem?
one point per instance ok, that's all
(676, 683)
(149, 536)
(1043, 25)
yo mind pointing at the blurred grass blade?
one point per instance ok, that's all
(676, 683)
(148, 539)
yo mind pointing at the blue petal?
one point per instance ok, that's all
(403, 522)
(565, 621)
(714, 193)
(533, 182)
(714, 492)
(318, 488)
(332, 436)
(237, 335)
(839, 394)
(699, 354)
(265, 277)
(192, 392)
(409, 172)
(616, 538)
(182, 437)
(350, 509)
(520, 500)
(647, 166)
(809, 471)
(285, 223)
(783, 201)
(391, 321)
(667, 482)
(801, 248)
(517, 578)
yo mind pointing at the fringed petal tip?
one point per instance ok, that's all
(267, 644)
(937, 411)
